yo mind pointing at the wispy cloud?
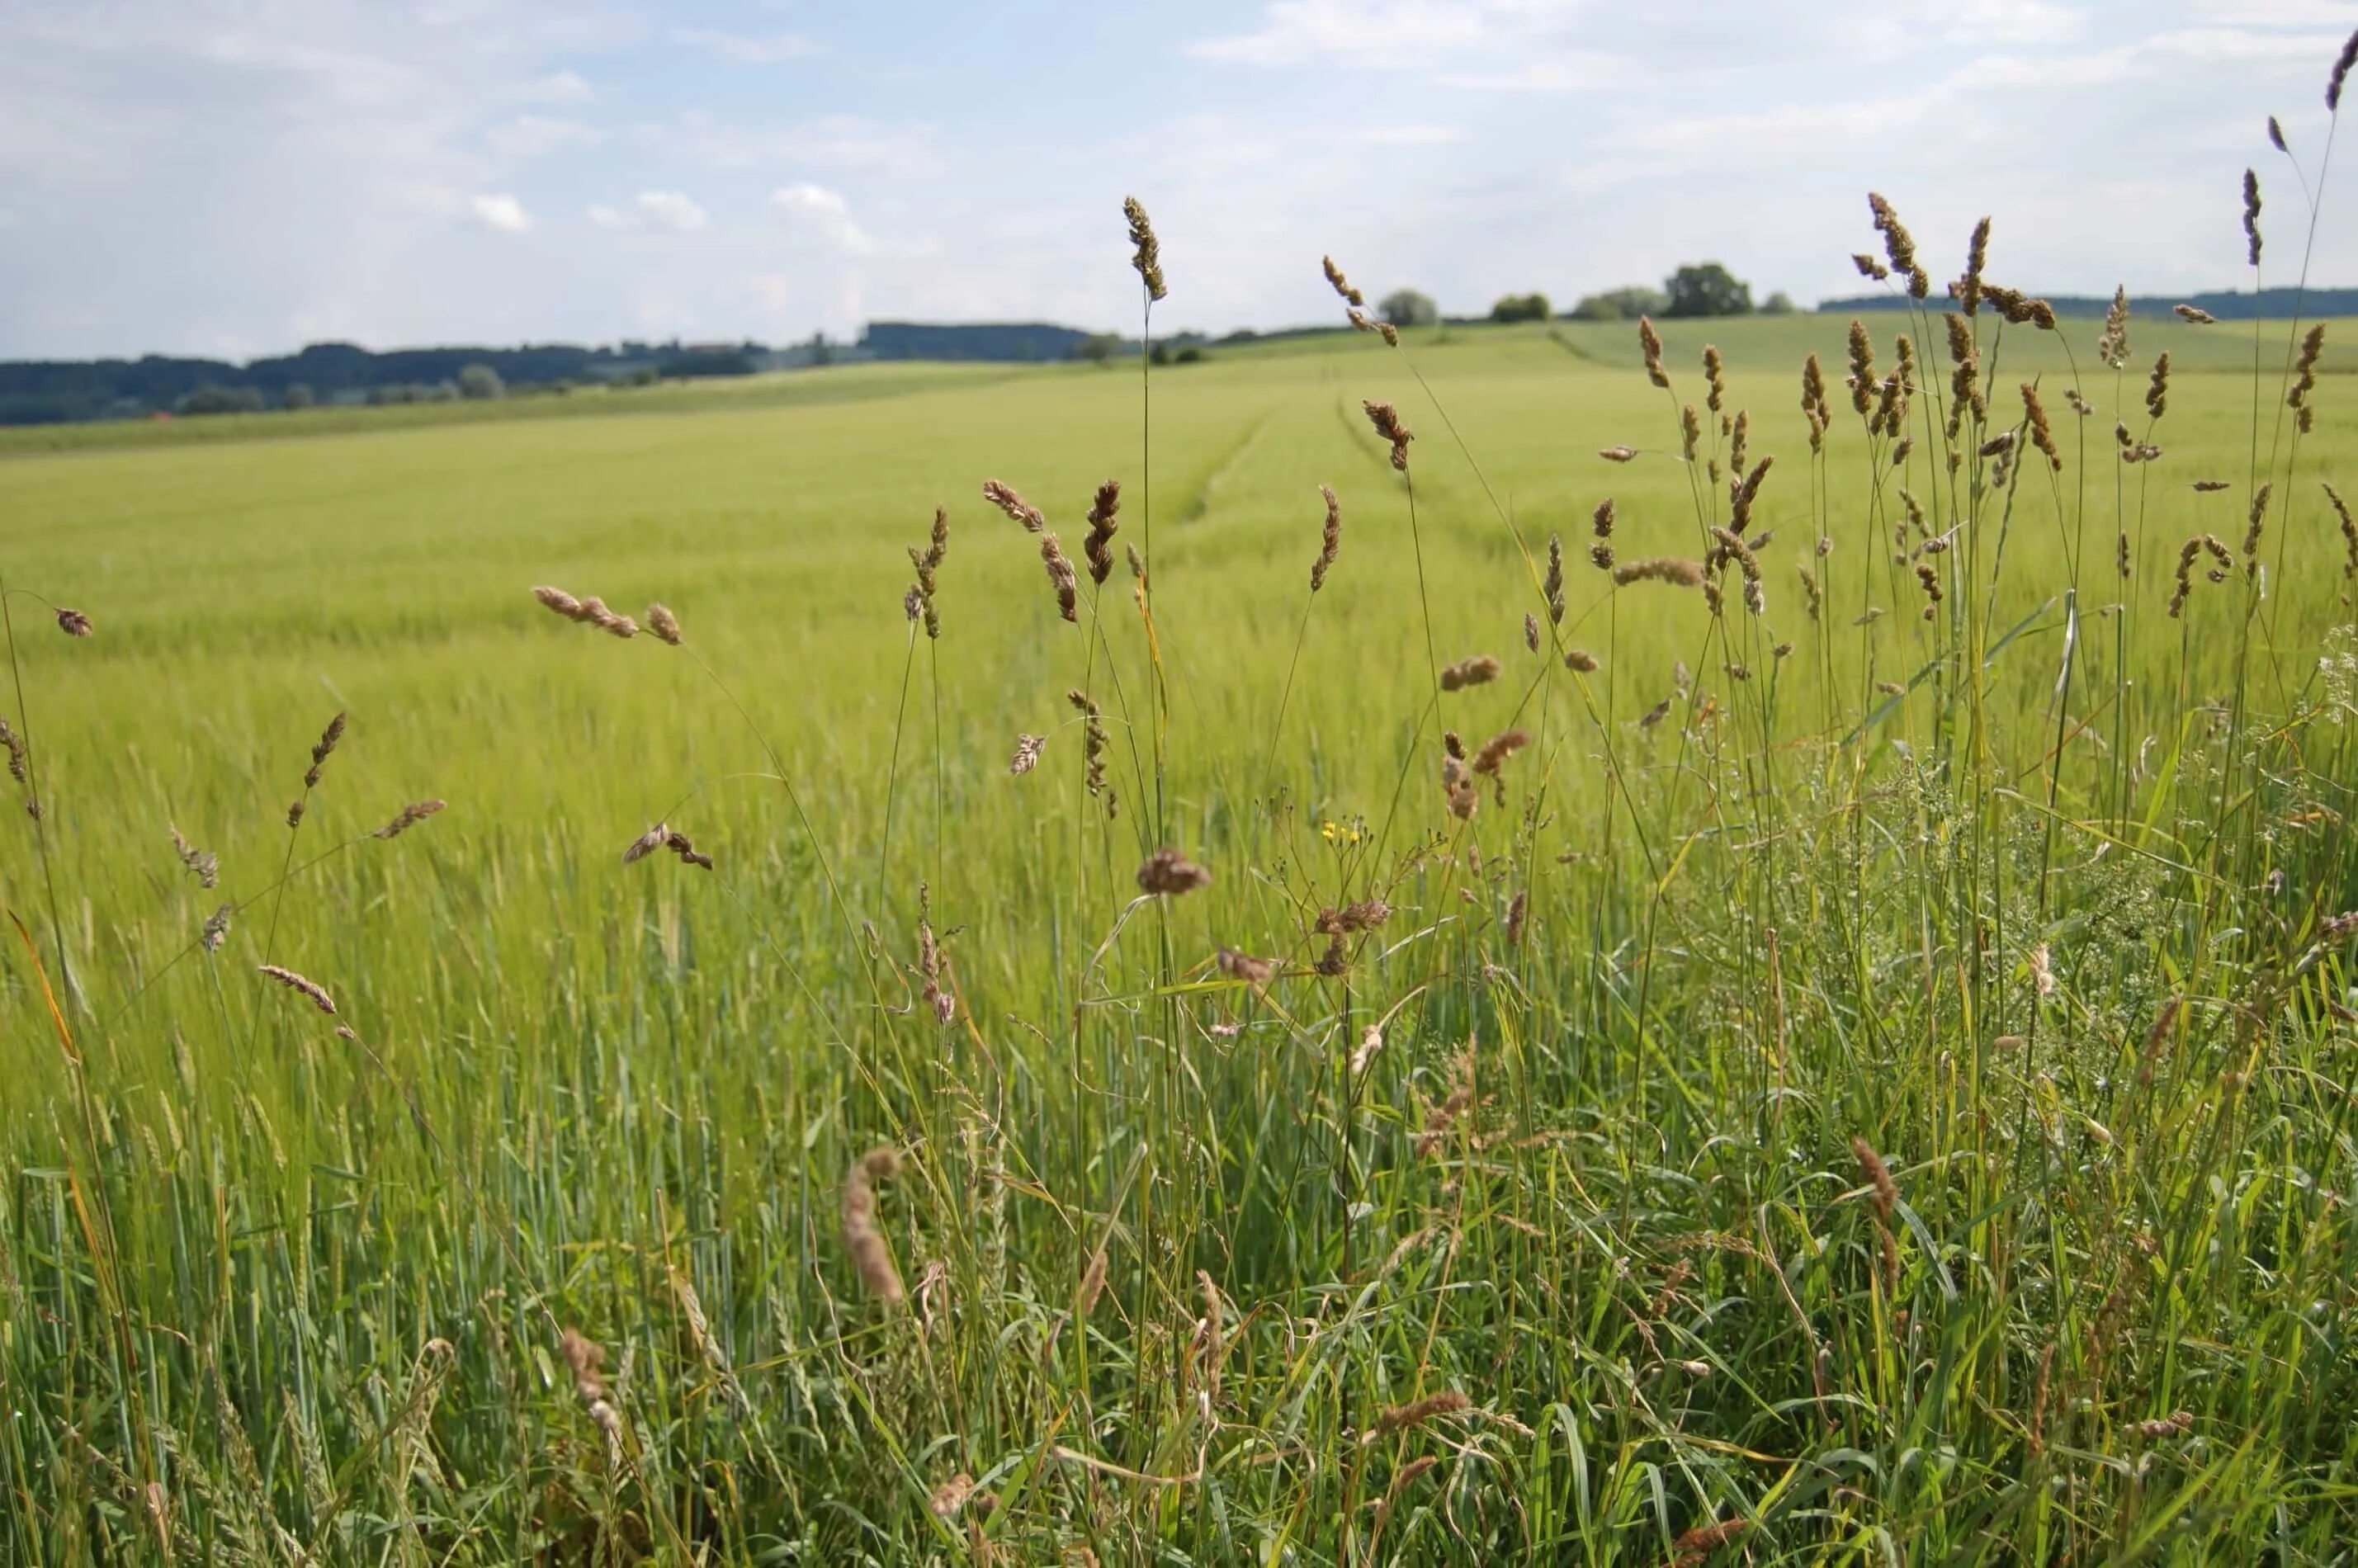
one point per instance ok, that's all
(1374, 33)
(748, 49)
(497, 209)
(824, 212)
(531, 136)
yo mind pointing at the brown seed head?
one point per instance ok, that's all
(2341, 64)
(1342, 285)
(1147, 254)
(1479, 670)
(1003, 496)
(2252, 215)
(1061, 576)
(1331, 541)
(1386, 422)
(2196, 315)
(1650, 345)
(1402, 1417)
(1879, 1176)
(1672, 569)
(1027, 753)
(1099, 545)
(1968, 287)
(1166, 873)
(407, 817)
(663, 624)
(1497, 748)
(73, 622)
(295, 982)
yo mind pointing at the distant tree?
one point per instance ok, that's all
(1098, 348)
(1778, 304)
(481, 384)
(822, 353)
(1188, 355)
(1706, 289)
(214, 398)
(1159, 354)
(695, 363)
(298, 394)
(1408, 307)
(1621, 305)
(1521, 308)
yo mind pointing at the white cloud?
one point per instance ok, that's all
(2016, 22)
(557, 87)
(536, 135)
(496, 210)
(747, 48)
(1576, 71)
(824, 212)
(1411, 135)
(606, 217)
(671, 210)
(1358, 32)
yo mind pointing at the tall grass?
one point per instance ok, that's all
(1859, 1071)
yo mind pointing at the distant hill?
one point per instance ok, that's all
(1009, 341)
(2271, 304)
(48, 392)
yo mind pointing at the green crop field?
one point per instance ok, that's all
(1864, 1075)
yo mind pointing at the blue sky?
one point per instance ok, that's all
(239, 177)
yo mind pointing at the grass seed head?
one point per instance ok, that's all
(1670, 570)
(1166, 873)
(1386, 422)
(2252, 217)
(73, 622)
(663, 624)
(1004, 497)
(1146, 253)
(1330, 545)
(204, 866)
(1650, 345)
(407, 817)
(1099, 545)
(1479, 670)
(295, 982)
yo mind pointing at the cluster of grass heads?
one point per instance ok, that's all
(1867, 1075)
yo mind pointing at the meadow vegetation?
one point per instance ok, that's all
(1736, 950)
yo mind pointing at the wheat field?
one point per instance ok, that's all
(1854, 1065)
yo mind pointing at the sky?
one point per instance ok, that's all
(236, 177)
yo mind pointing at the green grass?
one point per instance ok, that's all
(310, 1290)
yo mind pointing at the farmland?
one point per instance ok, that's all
(1867, 1076)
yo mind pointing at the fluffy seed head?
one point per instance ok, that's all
(663, 624)
(73, 622)
(1672, 569)
(1166, 873)
(1479, 670)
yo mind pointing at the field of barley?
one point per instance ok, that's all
(1761, 973)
